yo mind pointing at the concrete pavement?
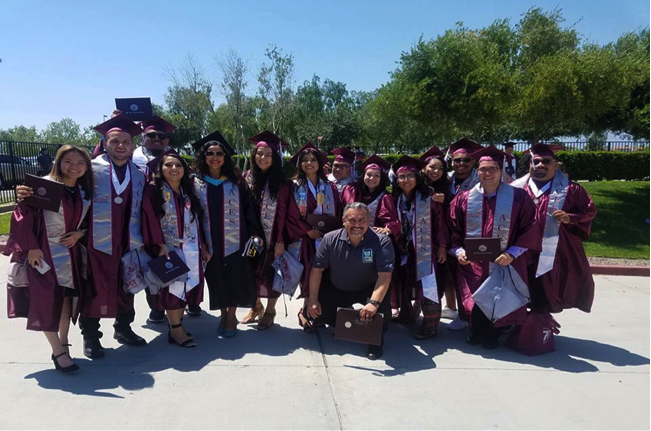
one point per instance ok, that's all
(286, 379)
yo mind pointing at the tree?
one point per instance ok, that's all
(65, 131)
(276, 79)
(234, 71)
(190, 97)
(20, 133)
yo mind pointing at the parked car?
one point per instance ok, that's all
(12, 175)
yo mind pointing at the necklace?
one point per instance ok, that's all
(71, 189)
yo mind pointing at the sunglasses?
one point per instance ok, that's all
(462, 160)
(215, 153)
(152, 135)
(541, 161)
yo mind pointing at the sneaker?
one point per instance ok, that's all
(449, 314)
(156, 316)
(457, 324)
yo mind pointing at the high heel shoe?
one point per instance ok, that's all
(68, 369)
(189, 343)
(254, 313)
(267, 320)
(230, 333)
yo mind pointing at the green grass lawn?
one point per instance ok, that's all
(5, 218)
(619, 230)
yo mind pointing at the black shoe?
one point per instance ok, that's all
(374, 352)
(156, 316)
(490, 343)
(194, 310)
(93, 348)
(68, 369)
(474, 339)
(127, 336)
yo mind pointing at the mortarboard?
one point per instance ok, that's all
(376, 162)
(432, 152)
(307, 147)
(545, 149)
(153, 163)
(157, 123)
(465, 145)
(407, 163)
(119, 123)
(343, 155)
(509, 144)
(491, 153)
(214, 136)
(269, 139)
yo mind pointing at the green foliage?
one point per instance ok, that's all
(605, 165)
(620, 228)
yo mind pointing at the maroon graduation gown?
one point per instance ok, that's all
(569, 284)
(110, 298)
(152, 236)
(296, 228)
(403, 282)
(523, 234)
(264, 271)
(42, 301)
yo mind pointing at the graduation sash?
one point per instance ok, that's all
(421, 234)
(267, 210)
(559, 186)
(467, 184)
(325, 204)
(103, 202)
(186, 241)
(201, 189)
(372, 209)
(55, 227)
(502, 217)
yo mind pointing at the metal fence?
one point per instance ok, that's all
(20, 158)
(625, 146)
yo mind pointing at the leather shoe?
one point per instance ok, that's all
(474, 339)
(156, 316)
(127, 336)
(490, 343)
(374, 352)
(194, 310)
(93, 348)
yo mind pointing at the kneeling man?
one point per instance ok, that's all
(352, 265)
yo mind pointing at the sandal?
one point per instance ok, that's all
(188, 343)
(254, 313)
(305, 324)
(267, 320)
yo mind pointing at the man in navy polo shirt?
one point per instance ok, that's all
(359, 263)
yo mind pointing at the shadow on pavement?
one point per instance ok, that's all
(132, 368)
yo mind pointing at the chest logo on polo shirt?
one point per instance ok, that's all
(367, 255)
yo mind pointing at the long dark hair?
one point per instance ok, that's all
(228, 168)
(421, 187)
(300, 175)
(440, 185)
(86, 181)
(275, 176)
(384, 183)
(186, 187)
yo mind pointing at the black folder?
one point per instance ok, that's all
(135, 108)
(350, 327)
(47, 193)
(168, 270)
(482, 249)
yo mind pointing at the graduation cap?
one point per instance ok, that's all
(508, 144)
(309, 146)
(545, 150)
(214, 136)
(268, 139)
(119, 123)
(432, 152)
(157, 123)
(465, 145)
(153, 163)
(407, 163)
(343, 155)
(376, 162)
(491, 153)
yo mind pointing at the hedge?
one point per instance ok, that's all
(580, 165)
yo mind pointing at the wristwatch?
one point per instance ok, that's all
(374, 302)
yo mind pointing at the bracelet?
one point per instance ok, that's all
(280, 243)
(374, 302)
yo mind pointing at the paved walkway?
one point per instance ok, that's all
(287, 379)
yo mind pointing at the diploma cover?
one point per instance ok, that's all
(168, 270)
(349, 327)
(47, 193)
(482, 249)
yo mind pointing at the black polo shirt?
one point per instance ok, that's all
(354, 268)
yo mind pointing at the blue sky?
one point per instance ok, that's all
(72, 58)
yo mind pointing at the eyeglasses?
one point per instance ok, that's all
(215, 153)
(409, 177)
(541, 161)
(152, 135)
(339, 166)
(462, 160)
(484, 171)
